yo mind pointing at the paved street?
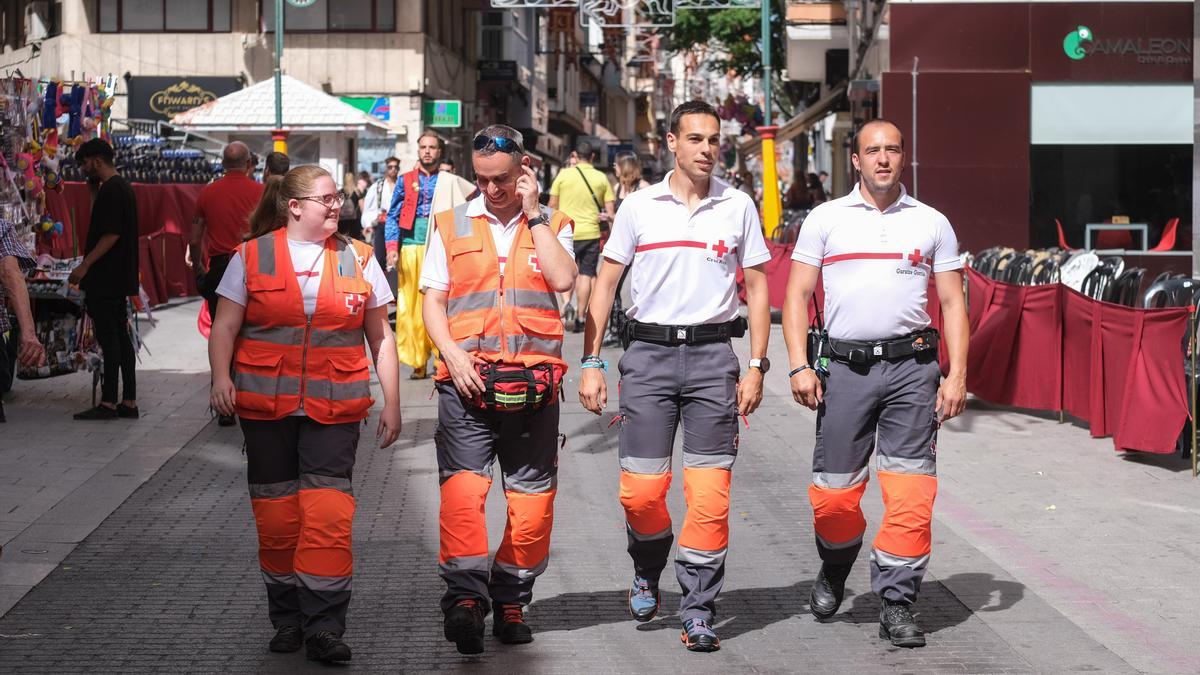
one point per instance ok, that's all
(1051, 552)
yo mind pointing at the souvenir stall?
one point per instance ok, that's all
(40, 123)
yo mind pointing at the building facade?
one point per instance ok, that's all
(534, 69)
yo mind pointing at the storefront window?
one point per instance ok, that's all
(158, 16)
(1082, 184)
(333, 16)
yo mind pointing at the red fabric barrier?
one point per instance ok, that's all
(1016, 343)
(1051, 348)
(165, 214)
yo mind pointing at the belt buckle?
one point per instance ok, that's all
(681, 334)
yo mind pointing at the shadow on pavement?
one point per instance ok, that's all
(739, 611)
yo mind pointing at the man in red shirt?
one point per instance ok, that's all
(222, 220)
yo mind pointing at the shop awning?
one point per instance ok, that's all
(800, 123)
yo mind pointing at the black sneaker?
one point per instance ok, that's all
(326, 648)
(508, 624)
(698, 636)
(463, 626)
(127, 411)
(287, 639)
(896, 623)
(97, 413)
(828, 590)
(225, 420)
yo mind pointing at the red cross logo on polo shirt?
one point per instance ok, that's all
(533, 263)
(915, 258)
(354, 303)
(720, 248)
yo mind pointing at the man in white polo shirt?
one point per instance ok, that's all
(689, 235)
(875, 249)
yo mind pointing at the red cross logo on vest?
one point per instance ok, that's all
(915, 258)
(720, 248)
(533, 263)
(355, 302)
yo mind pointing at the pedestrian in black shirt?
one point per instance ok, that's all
(108, 275)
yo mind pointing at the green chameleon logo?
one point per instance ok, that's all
(1073, 42)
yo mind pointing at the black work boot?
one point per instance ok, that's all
(896, 623)
(287, 639)
(508, 624)
(828, 590)
(464, 626)
(326, 647)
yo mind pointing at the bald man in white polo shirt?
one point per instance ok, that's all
(875, 249)
(689, 235)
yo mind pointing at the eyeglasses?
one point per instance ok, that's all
(499, 143)
(328, 201)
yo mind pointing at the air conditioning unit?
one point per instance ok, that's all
(37, 20)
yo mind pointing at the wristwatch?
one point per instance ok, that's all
(541, 219)
(763, 364)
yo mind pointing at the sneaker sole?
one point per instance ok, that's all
(699, 648)
(518, 640)
(336, 658)
(466, 638)
(909, 642)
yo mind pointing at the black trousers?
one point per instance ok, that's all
(211, 280)
(112, 333)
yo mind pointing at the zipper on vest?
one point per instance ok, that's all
(503, 342)
(304, 360)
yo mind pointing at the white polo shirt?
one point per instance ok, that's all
(875, 266)
(435, 272)
(685, 264)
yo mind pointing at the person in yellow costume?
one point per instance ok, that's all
(418, 193)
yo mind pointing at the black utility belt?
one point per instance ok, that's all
(683, 335)
(856, 352)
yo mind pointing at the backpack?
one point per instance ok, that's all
(350, 210)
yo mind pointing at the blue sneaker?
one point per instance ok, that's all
(698, 636)
(643, 599)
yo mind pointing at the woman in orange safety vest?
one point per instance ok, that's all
(287, 357)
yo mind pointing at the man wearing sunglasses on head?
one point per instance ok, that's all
(420, 193)
(491, 278)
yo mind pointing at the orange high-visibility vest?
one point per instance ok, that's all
(284, 359)
(510, 318)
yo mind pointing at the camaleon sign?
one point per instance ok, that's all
(1082, 43)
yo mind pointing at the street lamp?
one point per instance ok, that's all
(279, 135)
(771, 206)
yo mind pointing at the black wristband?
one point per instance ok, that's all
(801, 369)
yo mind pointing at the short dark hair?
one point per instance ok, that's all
(449, 162)
(584, 150)
(97, 147)
(500, 131)
(389, 160)
(278, 163)
(878, 120)
(692, 108)
(434, 135)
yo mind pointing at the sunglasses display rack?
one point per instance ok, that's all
(143, 158)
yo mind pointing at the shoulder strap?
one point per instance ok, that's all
(589, 188)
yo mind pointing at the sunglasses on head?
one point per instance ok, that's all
(499, 143)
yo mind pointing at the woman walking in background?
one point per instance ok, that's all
(287, 357)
